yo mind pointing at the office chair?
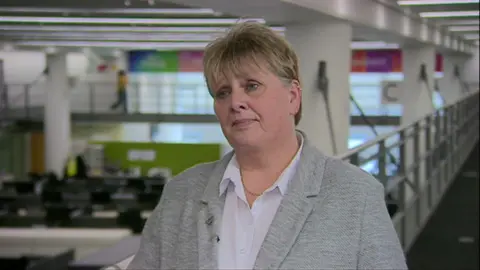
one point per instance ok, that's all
(157, 188)
(131, 218)
(136, 184)
(148, 199)
(52, 197)
(100, 197)
(58, 216)
(25, 187)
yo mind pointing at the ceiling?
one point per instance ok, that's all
(448, 14)
(109, 25)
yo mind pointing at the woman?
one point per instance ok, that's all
(275, 201)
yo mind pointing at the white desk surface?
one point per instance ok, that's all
(29, 233)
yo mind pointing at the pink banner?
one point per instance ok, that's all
(383, 61)
(376, 61)
(190, 61)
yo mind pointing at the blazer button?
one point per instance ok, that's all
(209, 221)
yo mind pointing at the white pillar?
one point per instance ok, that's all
(57, 114)
(417, 103)
(450, 85)
(471, 70)
(327, 41)
(416, 95)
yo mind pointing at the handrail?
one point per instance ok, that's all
(431, 153)
(28, 86)
(380, 138)
(17, 97)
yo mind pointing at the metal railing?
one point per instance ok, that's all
(96, 97)
(430, 152)
(13, 98)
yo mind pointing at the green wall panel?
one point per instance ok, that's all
(177, 157)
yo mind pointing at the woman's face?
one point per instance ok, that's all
(255, 108)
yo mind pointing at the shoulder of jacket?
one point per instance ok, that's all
(349, 177)
(194, 178)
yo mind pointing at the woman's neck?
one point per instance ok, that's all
(271, 158)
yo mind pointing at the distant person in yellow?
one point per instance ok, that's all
(122, 81)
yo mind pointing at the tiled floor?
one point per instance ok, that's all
(450, 238)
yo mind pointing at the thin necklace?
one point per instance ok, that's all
(252, 193)
(249, 192)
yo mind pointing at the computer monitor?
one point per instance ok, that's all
(25, 187)
(137, 184)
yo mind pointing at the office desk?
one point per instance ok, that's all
(47, 241)
(113, 255)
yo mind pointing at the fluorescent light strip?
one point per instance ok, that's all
(165, 45)
(118, 45)
(443, 14)
(458, 22)
(111, 36)
(464, 28)
(435, 2)
(130, 21)
(373, 45)
(165, 11)
(110, 29)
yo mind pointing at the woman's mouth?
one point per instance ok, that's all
(243, 122)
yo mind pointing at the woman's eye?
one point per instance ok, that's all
(252, 86)
(221, 94)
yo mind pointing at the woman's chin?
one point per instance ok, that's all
(247, 139)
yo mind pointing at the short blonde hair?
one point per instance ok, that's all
(255, 43)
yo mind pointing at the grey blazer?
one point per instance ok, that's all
(332, 217)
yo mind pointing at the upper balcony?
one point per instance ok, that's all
(163, 100)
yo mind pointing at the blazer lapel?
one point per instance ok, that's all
(210, 217)
(296, 206)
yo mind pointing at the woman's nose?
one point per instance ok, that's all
(239, 100)
(239, 106)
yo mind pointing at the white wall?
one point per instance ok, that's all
(23, 67)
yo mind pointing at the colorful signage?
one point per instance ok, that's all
(152, 61)
(383, 61)
(190, 61)
(165, 61)
(377, 61)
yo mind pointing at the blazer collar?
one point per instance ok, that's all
(210, 216)
(296, 206)
(311, 161)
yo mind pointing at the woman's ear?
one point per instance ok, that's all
(295, 93)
